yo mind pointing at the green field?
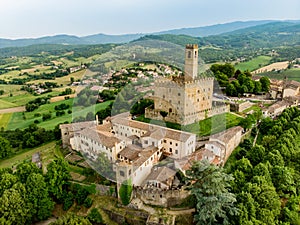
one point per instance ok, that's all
(27, 154)
(214, 124)
(254, 64)
(205, 127)
(4, 120)
(291, 74)
(22, 120)
(5, 104)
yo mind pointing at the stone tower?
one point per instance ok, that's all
(184, 99)
(191, 61)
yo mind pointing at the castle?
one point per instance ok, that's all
(186, 98)
(135, 149)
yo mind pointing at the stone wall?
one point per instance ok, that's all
(240, 107)
(165, 198)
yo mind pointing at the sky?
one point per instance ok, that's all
(36, 18)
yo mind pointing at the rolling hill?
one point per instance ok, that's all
(125, 38)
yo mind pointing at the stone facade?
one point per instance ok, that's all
(184, 99)
(159, 197)
(222, 144)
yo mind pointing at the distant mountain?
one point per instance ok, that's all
(58, 39)
(215, 29)
(104, 38)
(284, 37)
(70, 40)
(234, 28)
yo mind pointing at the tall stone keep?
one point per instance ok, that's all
(191, 61)
(184, 99)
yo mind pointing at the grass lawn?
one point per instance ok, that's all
(10, 88)
(65, 80)
(18, 121)
(19, 99)
(291, 74)
(213, 124)
(254, 64)
(205, 127)
(4, 119)
(27, 154)
(5, 104)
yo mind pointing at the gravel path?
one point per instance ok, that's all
(13, 110)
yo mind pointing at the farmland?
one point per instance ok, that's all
(24, 119)
(291, 74)
(254, 64)
(272, 67)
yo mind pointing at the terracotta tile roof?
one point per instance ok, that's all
(78, 126)
(226, 135)
(217, 144)
(106, 139)
(278, 105)
(161, 174)
(137, 155)
(154, 131)
(292, 84)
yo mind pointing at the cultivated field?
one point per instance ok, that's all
(22, 120)
(291, 74)
(4, 120)
(254, 63)
(272, 67)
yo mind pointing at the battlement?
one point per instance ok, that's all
(191, 46)
(181, 82)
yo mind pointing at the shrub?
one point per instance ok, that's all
(125, 192)
(95, 217)
(88, 202)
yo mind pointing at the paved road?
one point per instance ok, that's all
(13, 110)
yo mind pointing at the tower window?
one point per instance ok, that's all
(189, 54)
(195, 54)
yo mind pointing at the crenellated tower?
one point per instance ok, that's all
(183, 99)
(191, 61)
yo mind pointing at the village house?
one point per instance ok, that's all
(278, 107)
(68, 131)
(222, 144)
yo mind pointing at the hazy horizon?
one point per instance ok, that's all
(33, 18)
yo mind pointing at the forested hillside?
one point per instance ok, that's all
(266, 175)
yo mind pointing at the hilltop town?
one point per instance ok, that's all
(127, 133)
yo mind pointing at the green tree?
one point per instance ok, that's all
(283, 178)
(210, 185)
(57, 176)
(257, 87)
(265, 84)
(41, 205)
(5, 148)
(125, 192)
(13, 207)
(95, 217)
(7, 180)
(25, 169)
(231, 90)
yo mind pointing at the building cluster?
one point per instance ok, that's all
(287, 94)
(150, 155)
